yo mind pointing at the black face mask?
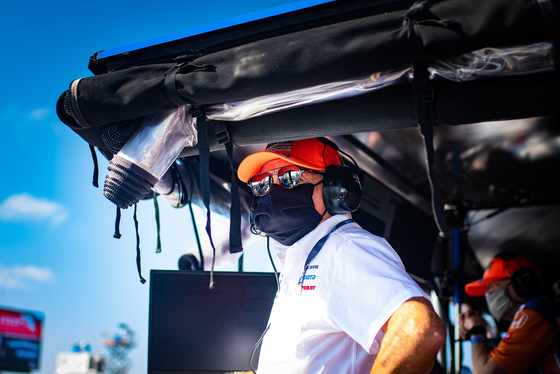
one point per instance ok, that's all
(287, 215)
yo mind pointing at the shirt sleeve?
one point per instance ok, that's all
(525, 342)
(367, 285)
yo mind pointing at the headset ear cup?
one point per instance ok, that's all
(189, 262)
(526, 283)
(342, 190)
(253, 226)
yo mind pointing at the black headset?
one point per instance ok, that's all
(526, 283)
(342, 190)
(189, 262)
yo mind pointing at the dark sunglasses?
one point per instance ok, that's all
(288, 177)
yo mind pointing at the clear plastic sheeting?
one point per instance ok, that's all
(482, 63)
(159, 140)
(148, 154)
(491, 62)
(241, 110)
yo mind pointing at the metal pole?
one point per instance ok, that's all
(457, 266)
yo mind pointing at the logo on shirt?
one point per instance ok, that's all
(311, 277)
(519, 321)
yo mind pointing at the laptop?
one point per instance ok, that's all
(195, 329)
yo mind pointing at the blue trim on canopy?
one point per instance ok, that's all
(282, 9)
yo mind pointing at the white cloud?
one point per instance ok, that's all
(25, 207)
(20, 276)
(39, 114)
(34, 273)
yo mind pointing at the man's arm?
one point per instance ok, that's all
(413, 336)
(481, 361)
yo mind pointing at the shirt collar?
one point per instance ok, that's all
(305, 244)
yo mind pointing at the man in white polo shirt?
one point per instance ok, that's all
(345, 303)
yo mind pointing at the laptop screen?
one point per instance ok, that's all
(194, 329)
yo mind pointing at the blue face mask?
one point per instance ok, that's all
(287, 215)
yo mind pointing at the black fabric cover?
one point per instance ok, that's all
(350, 49)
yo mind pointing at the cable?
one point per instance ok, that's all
(272, 262)
(255, 349)
(488, 216)
(259, 342)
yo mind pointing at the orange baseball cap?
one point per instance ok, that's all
(311, 153)
(497, 270)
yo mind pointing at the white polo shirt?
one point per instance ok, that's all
(331, 323)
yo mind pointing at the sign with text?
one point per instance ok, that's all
(20, 339)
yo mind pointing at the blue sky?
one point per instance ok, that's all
(57, 253)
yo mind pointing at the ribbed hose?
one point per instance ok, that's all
(115, 135)
(126, 182)
(64, 111)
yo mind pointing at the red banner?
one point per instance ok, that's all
(21, 324)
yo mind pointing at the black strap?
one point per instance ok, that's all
(138, 264)
(156, 211)
(183, 68)
(95, 181)
(423, 99)
(188, 193)
(117, 234)
(204, 153)
(423, 96)
(240, 263)
(169, 84)
(195, 229)
(235, 243)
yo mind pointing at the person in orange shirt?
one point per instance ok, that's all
(512, 287)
